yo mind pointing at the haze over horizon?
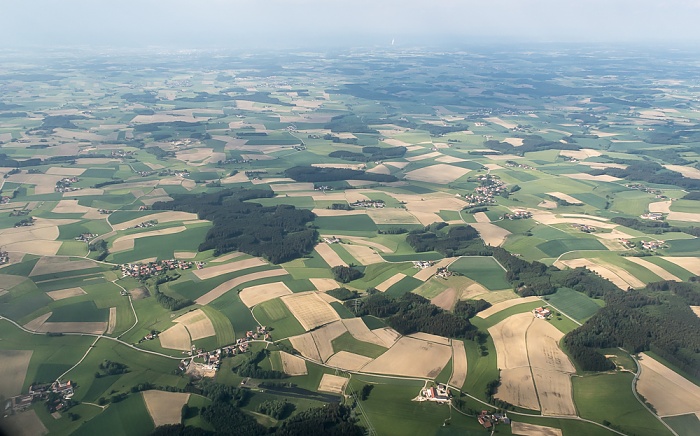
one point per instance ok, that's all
(310, 23)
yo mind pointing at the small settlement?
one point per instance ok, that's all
(490, 419)
(144, 271)
(542, 313)
(438, 394)
(57, 395)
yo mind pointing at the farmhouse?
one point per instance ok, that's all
(652, 245)
(654, 216)
(4, 257)
(438, 394)
(542, 313)
(422, 264)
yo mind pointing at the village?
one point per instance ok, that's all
(145, 224)
(376, 204)
(57, 395)
(144, 271)
(484, 195)
(64, 185)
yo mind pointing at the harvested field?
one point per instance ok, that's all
(185, 254)
(255, 295)
(565, 197)
(8, 281)
(521, 428)
(441, 174)
(599, 178)
(330, 256)
(126, 242)
(331, 212)
(424, 156)
(618, 276)
(364, 255)
(112, 320)
(37, 322)
(332, 383)
(412, 358)
(666, 390)
(554, 392)
(230, 284)
(684, 216)
(491, 233)
(500, 122)
(653, 268)
(509, 340)
(582, 154)
(62, 171)
(515, 142)
(176, 338)
(518, 388)
(161, 217)
(341, 165)
(359, 330)
(430, 338)
(689, 172)
(226, 257)
(324, 285)
(13, 370)
(459, 364)
(387, 335)
(392, 216)
(70, 206)
(396, 142)
(546, 217)
(286, 187)
(446, 299)
(399, 165)
(197, 323)
(65, 293)
(214, 271)
(325, 335)
(543, 347)
(293, 365)
(696, 310)
(691, 264)
(380, 169)
(386, 284)
(94, 328)
(348, 361)
(24, 424)
(50, 265)
(310, 310)
(426, 273)
(44, 183)
(660, 206)
(481, 217)
(305, 345)
(165, 407)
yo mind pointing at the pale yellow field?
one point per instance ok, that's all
(293, 365)
(518, 388)
(500, 122)
(65, 293)
(305, 345)
(440, 173)
(387, 335)
(331, 212)
(399, 165)
(598, 178)
(386, 284)
(95, 328)
(582, 154)
(63, 171)
(426, 273)
(392, 216)
(449, 159)
(176, 338)
(161, 217)
(666, 390)
(331, 257)
(618, 276)
(112, 320)
(380, 169)
(324, 337)
(491, 233)
(521, 428)
(515, 142)
(50, 265)
(348, 361)
(696, 310)
(660, 206)
(340, 165)
(412, 358)
(481, 217)
(310, 310)
(363, 254)
(197, 323)
(185, 254)
(255, 295)
(691, 264)
(226, 257)
(13, 370)
(126, 242)
(286, 187)
(430, 338)
(230, 284)
(44, 183)
(38, 239)
(324, 285)
(653, 268)
(546, 217)
(9, 281)
(543, 347)
(396, 142)
(565, 197)
(165, 407)
(214, 271)
(70, 206)
(359, 330)
(424, 156)
(445, 299)
(459, 364)
(332, 383)
(24, 424)
(37, 322)
(509, 340)
(690, 172)
(554, 392)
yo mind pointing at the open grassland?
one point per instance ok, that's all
(609, 397)
(575, 304)
(275, 314)
(484, 270)
(126, 418)
(684, 425)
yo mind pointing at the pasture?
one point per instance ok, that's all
(483, 270)
(281, 321)
(575, 304)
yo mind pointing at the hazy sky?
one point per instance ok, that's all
(283, 23)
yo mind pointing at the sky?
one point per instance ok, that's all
(347, 23)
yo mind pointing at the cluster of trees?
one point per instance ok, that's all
(365, 391)
(108, 183)
(276, 408)
(656, 227)
(345, 274)
(412, 313)
(370, 154)
(340, 206)
(109, 367)
(250, 367)
(342, 293)
(469, 308)
(318, 175)
(349, 123)
(650, 172)
(169, 302)
(457, 240)
(277, 233)
(530, 143)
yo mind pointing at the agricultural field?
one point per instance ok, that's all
(298, 227)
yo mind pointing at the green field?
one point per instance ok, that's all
(575, 304)
(275, 314)
(128, 418)
(484, 270)
(348, 343)
(558, 247)
(684, 425)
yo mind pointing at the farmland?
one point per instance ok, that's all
(570, 169)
